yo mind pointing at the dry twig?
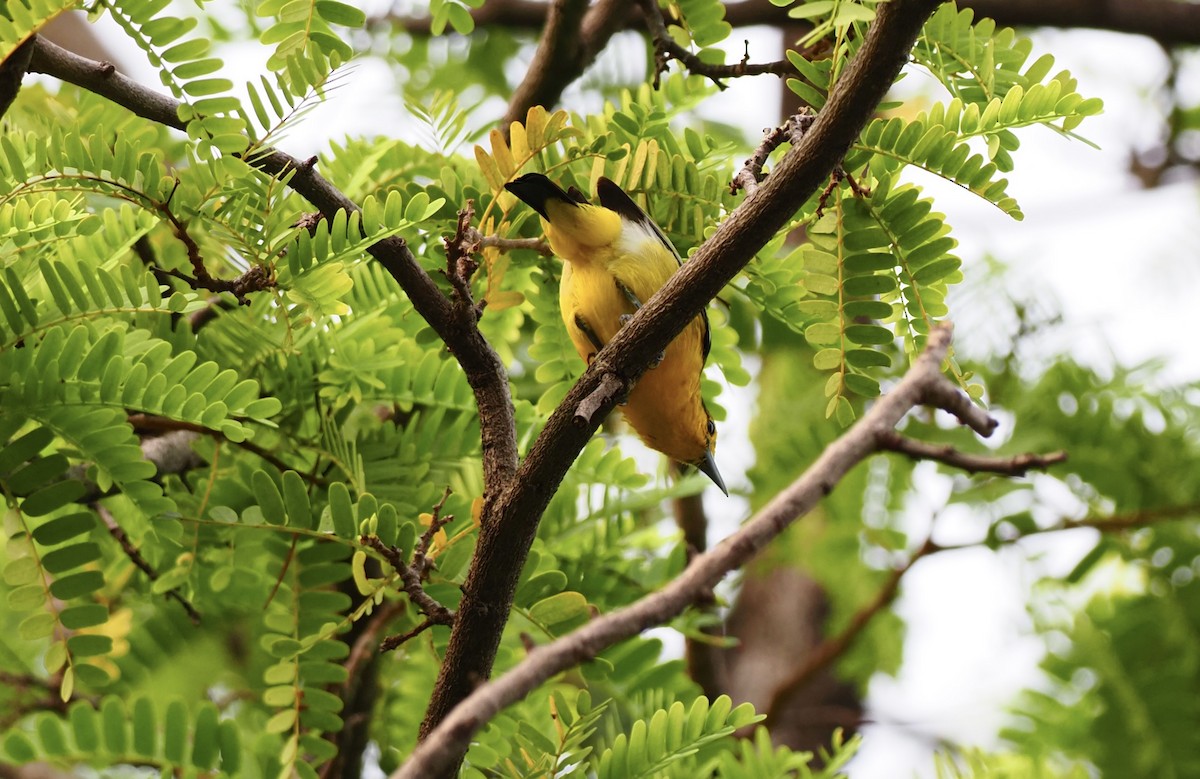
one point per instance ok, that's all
(751, 174)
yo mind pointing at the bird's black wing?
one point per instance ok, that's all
(614, 198)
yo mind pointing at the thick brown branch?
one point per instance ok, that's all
(443, 746)
(1168, 21)
(482, 366)
(569, 44)
(12, 73)
(508, 529)
(556, 63)
(1017, 465)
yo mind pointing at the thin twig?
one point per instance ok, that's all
(839, 175)
(411, 578)
(832, 648)
(666, 49)
(751, 174)
(1017, 465)
(151, 422)
(395, 642)
(539, 245)
(836, 646)
(420, 561)
(135, 556)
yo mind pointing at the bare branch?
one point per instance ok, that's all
(949, 398)
(441, 747)
(421, 562)
(555, 63)
(435, 612)
(600, 401)
(833, 648)
(1017, 465)
(665, 49)
(538, 245)
(395, 642)
(12, 73)
(461, 264)
(1170, 22)
(704, 660)
(751, 175)
(569, 44)
(151, 422)
(359, 692)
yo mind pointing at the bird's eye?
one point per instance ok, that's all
(712, 427)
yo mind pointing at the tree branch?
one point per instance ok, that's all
(836, 646)
(751, 174)
(435, 612)
(12, 73)
(482, 366)
(665, 49)
(569, 44)
(359, 693)
(703, 658)
(508, 529)
(1018, 465)
(1170, 22)
(443, 746)
(832, 648)
(556, 63)
(135, 556)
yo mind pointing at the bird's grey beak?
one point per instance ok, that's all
(708, 466)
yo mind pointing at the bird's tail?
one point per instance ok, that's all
(535, 190)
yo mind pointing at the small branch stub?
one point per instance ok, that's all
(791, 131)
(460, 260)
(608, 392)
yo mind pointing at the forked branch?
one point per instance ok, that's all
(923, 383)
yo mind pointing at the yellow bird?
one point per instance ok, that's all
(615, 258)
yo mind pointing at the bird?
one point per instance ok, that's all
(616, 257)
